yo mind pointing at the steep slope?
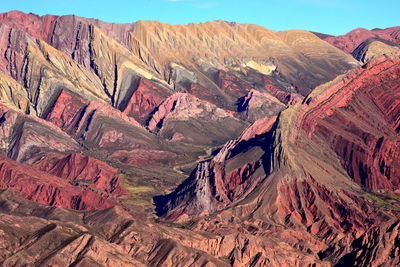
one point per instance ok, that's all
(238, 47)
(325, 170)
(256, 105)
(182, 116)
(71, 70)
(47, 189)
(100, 83)
(13, 94)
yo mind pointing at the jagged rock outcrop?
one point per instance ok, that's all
(182, 116)
(374, 48)
(256, 105)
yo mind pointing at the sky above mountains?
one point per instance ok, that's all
(331, 17)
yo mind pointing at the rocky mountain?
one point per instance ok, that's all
(211, 144)
(313, 170)
(351, 40)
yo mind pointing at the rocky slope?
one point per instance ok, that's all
(182, 116)
(374, 48)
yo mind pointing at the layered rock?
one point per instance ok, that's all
(79, 169)
(114, 51)
(367, 142)
(185, 117)
(373, 48)
(252, 46)
(47, 189)
(145, 98)
(256, 105)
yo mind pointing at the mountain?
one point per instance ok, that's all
(313, 171)
(210, 144)
(351, 40)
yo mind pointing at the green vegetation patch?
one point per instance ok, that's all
(382, 200)
(141, 194)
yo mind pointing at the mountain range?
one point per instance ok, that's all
(210, 144)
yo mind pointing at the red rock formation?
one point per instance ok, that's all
(285, 96)
(258, 127)
(316, 185)
(67, 111)
(232, 85)
(74, 114)
(185, 107)
(80, 169)
(13, 44)
(256, 105)
(378, 246)
(144, 100)
(36, 26)
(44, 188)
(183, 116)
(370, 98)
(305, 173)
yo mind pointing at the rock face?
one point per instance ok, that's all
(144, 100)
(100, 124)
(256, 105)
(182, 116)
(373, 103)
(373, 48)
(47, 189)
(119, 54)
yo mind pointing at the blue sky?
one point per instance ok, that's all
(332, 16)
